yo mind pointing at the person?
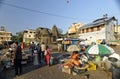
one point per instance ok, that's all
(75, 58)
(32, 46)
(43, 47)
(18, 59)
(47, 56)
(38, 47)
(83, 48)
(97, 60)
(22, 46)
(6, 61)
(103, 41)
(84, 58)
(59, 47)
(35, 57)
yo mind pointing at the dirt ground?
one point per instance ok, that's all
(53, 72)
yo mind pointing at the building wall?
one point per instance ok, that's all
(117, 28)
(29, 36)
(46, 39)
(103, 31)
(74, 27)
(93, 36)
(110, 30)
(5, 36)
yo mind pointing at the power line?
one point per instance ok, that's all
(36, 11)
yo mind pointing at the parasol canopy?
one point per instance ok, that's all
(99, 49)
(72, 48)
(114, 57)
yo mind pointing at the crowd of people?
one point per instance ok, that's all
(40, 54)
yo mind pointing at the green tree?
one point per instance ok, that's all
(14, 38)
(18, 37)
(60, 31)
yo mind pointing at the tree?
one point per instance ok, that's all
(14, 38)
(18, 37)
(60, 31)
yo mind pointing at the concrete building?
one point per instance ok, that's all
(73, 30)
(117, 32)
(29, 36)
(103, 28)
(5, 36)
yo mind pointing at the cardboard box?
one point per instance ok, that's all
(67, 70)
(74, 73)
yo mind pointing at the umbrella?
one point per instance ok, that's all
(72, 48)
(99, 49)
(114, 57)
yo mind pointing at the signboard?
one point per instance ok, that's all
(66, 42)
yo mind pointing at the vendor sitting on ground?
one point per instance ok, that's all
(75, 58)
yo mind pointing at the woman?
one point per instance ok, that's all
(47, 56)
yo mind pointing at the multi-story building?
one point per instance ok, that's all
(29, 36)
(103, 28)
(73, 30)
(117, 32)
(5, 36)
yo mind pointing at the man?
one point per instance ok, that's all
(32, 46)
(39, 52)
(18, 59)
(43, 47)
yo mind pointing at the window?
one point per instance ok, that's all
(92, 29)
(98, 28)
(87, 30)
(29, 35)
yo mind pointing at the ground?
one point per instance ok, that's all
(53, 72)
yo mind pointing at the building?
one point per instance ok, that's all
(117, 32)
(41, 34)
(29, 36)
(5, 36)
(103, 28)
(73, 30)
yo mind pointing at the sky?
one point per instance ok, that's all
(19, 15)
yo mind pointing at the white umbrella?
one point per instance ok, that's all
(72, 48)
(115, 55)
